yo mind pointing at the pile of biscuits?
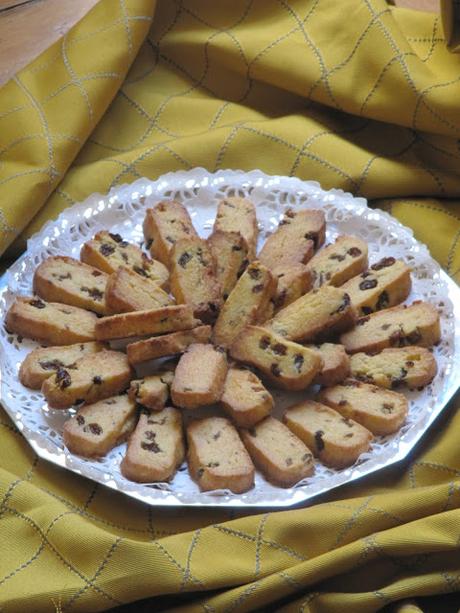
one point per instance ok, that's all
(214, 322)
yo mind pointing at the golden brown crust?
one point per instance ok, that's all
(127, 291)
(167, 344)
(236, 214)
(152, 391)
(245, 400)
(338, 262)
(336, 364)
(230, 253)
(293, 282)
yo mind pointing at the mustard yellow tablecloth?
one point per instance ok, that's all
(356, 94)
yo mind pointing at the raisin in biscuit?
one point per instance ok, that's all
(335, 440)
(230, 253)
(336, 364)
(193, 280)
(321, 312)
(127, 291)
(41, 363)
(167, 344)
(411, 366)
(97, 428)
(238, 215)
(379, 410)
(417, 324)
(164, 225)
(293, 282)
(338, 262)
(282, 457)
(216, 456)
(92, 378)
(286, 364)
(152, 391)
(50, 322)
(245, 400)
(155, 448)
(385, 284)
(63, 279)
(199, 377)
(141, 323)
(246, 303)
(107, 252)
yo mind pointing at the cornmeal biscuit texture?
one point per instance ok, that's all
(245, 400)
(335, 440)
(280, 455)
(293, 282)
(152, 391)
(217, 458)
(336, 364)
(230, 253)
(238, 215)
(127, 291)
(339, 262)
(167, 344)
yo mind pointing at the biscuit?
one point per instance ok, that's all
(63, 279)
(50, 322)
(335, 440)
(152, 391)
(230, 253)
(127, 291)
(217, 459)
(248, 300)
(417, 324)
(379, 410)
(92, 378)
(155, 448)
(41, 363)
(336, 364)
(236, 214)
(286, 364)
(164, 225)
(167, 344)
(96, 428)
(293, 282)
(282, 457)
(338, 262)
(199, 377)
(245, 400)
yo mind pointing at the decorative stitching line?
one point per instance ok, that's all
(75, 79)
(129, 35)
(176, 563)
(260, 531)
(186, 576)
(350, 523)
(248, 537)
(247, 593)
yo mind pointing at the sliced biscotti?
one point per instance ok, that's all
(379, 410)
(336, 364)
(230, 253)
(63, 279)
(411, 366)
(155, 448)
(164, 225)
(320, 312)
(141, 323)
(199, 376)
(245, 400)
(286, 364)
(248, 300)
(335, 440)
(236, 214)
(417, 324)
(43, 362)
(107, 252)
(96, 428)
(280, 455)
(293, 282)
(92, 378)
(166, 344)
(50, 322)
(127, 291)
(338, 262)
(385, 284)
(217, 459)
(193, 280)
(152, 391)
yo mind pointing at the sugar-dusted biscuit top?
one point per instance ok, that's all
(248, 299)
(92, 378)
(335, 440)
(230, 253)
(127, 291)
(155, 448)
(286, 364)
(52, 323)
(96, 428)
(63, 279)
(245, 399)
(320, 312)
(417, 324)
(336, 363)
(280, 455)
(108, 251)
(217, 458)
(43, 362)
(199, 376)
(193, 280)
(379, 410)
(165, 224)
(152, 391)
(385, 284)
(236, 214)
(337, 263)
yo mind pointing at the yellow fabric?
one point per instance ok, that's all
(355, 94)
